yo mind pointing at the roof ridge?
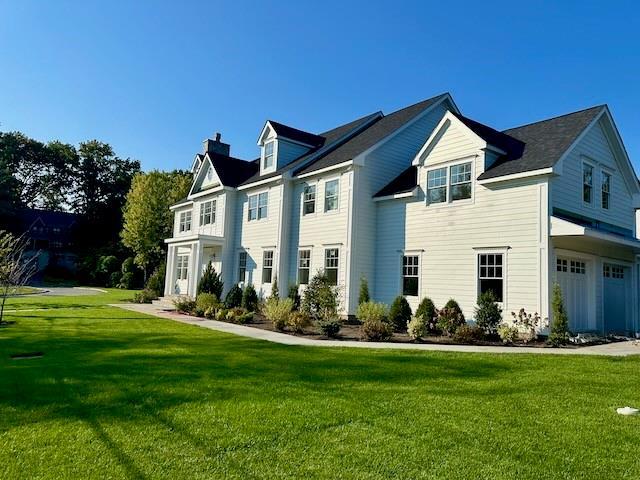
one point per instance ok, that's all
(554, 118)
(417, 103)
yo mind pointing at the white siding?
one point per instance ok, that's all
(566, 189)
(216, 228)
(450, 236)
(381, 166)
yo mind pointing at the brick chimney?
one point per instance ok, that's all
(216, 146)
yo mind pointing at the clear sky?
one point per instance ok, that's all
(155, 78)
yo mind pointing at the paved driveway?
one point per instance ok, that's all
(70, 291)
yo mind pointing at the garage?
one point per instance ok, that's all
(615, 297)
(573, 276)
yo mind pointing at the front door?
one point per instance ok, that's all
(614, 278)
(573, 277)
(182, 274)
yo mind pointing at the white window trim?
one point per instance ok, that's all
(324, 261)
(605, 170)
(324, 196)
(257, 194)
(594, 181)
(449, 202)
(407, 253)
(214, 205)
(310, 250)
(272, 168)
(246, 264)
(273, 264)
(315, 184)
(180, 222)
(505, 272)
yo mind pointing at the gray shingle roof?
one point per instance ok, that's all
(405, 182)
(297, 135)
(545, 142)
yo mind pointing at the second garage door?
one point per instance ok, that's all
(573, 277)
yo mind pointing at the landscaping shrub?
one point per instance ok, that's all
(277, 311)
(363, 295)
(127, 281)
(250, 299)
(185, 305)
(452, 304)
(427, 310)
(114, 279)
(560, 325)
(400, 313)
(239, 316)
(417, 327)
(131, 275)
(211, 282)
(221, 314)
(449, 319)
(294, 295)
(275, 291)
(488, 313)
(508, 333)
(375, 322)
(155, 282)
(108, 271)
(468, 333)
(330, 327)
(144, 296)
(234, 297)
(320, 299)
(298, 321)
(205, 301)
(526, 324)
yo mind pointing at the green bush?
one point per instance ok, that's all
(250, 299)
(277, 311)
(127, 281)
(114, 279)
(468, 334)
(372, 311)
(234, 297)
(560, 325)
(375, 321)
(155, 282)
(205, 301)
(294, 295)
(363, 295)
(144, 296)
(426, 309)
(488, 313)
(330, 327)
(221, 314)
(131, 274)
(400, 313)
(417, 327)
(185, 305)
(275, 291)
(452, 304)
(298, 321)
(211, 282)
(238, 316)
(449, 320)
(508, 333)
(320, 299)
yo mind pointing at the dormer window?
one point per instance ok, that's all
(268, 155)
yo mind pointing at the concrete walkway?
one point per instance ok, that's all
(619, 349)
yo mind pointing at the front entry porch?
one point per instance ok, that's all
(187, 257)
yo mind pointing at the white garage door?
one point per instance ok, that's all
(615, 297)
(573, 277)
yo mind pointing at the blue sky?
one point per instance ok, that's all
(155, 78)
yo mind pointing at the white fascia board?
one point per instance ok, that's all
(181, 204)
(630, 178)
(196, 237)
(412, 193)
(260, 182)
(359, 159)
(517, 176)
(200, 170)
(209, 191)
(326, 169)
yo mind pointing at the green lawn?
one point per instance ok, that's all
(122, 395)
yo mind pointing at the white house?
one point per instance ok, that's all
(424, 202)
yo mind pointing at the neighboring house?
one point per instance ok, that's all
(424, 202)
(50, 235)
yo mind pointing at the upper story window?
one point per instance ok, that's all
(587, 183)
(331, 195)
(449, 184)
(410, 275)
(304, 266)
(309, 200)
(268, 155)
(267, 266)
(606, 190)
(258, 206)
(185, 221)
(208, 212)
(331, 259)
(491, 274)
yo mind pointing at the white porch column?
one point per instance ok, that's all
(170, 275)
(195, 268)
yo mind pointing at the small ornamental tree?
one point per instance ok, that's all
(363, 296)
(275, 291)
(560, 325)
(320, 299)
(400, 313)
(234, 297)
(294, 295)
(211, 282)
(16, 268)
(453, 305)
(488, 313)
(250, 299)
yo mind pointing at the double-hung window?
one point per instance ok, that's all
(208, 212)
(268, 155)
(331, 256)
(491, 274)
(331, 195)
(258, 206)
(185, 221)
(606, 190)
(304, 266)
(182, 267)
(449, 184)
(242, 266)
(410, 267)
(309, 200)
(267, 266)
(587, 183)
